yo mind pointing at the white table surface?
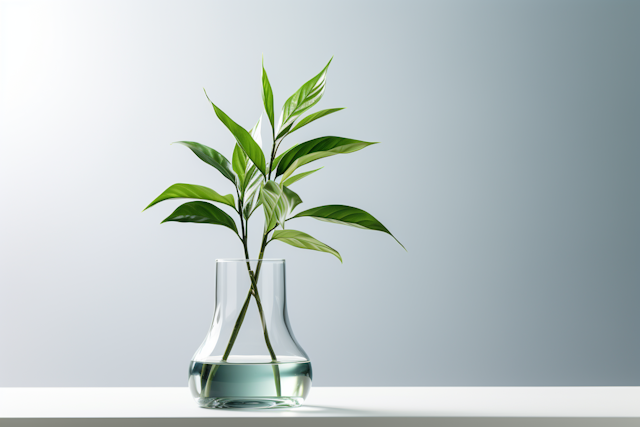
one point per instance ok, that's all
(353, 406)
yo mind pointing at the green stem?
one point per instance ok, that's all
(206, 391)
(276, 377)
(253, 290)
(273, 155)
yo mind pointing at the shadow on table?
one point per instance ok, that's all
(328, 410)
(307, 409)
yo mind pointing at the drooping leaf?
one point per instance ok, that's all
(304, 98)
(191, 191)
(307, 158)
(211, 157)
(303, 241)
(315, 116)
(239, 163)
(202, 213)
(332, 144)
(250, 147)
(346, 215)
(269, 198)
(292, 200)
(267, 96)
(298, 177)
(278, 202)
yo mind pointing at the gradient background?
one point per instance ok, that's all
(509, 168)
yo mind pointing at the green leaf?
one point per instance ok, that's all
(267, 96)
(202, 213)
(315, 116)
(250, 147)
(292, 199)
(191, 191)
(239, 163)
(276, 161)
(250, 179)
(256, 132)
(278, 202)
(346, 215)
(252, 189)
(303, 241)
(298, 177)
(304, 160)
(241, 166)
(211, 157)
(269, 197)
(331, 144)
(284, 132)
(306, 97)
(251, 202)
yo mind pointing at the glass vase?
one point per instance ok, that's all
(250, 358)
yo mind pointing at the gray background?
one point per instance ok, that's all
(508, 168)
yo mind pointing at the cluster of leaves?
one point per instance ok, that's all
(250, 172)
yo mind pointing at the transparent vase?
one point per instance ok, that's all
(250, 358)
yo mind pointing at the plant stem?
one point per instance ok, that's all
(253, 290)
(206, 386)
(273, 155)
(276, 377)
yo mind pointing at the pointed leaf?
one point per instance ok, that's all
(251, 178)
(251, 202)
(315, 116)
(298, 177)
(306, 97)
(346, 215)
(211, 157)
(303, 241)
(267, 96)
(304, 160)
(251, 191)
(332, 144)
(256, 132)
(251, 209)
(284, 131)
(203, 213)
(239, 163)
(191, 191)
(276, 161)
(250, 147)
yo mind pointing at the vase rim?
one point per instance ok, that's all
(249, 259)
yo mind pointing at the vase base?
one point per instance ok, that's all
(282, 384)
(249, 402)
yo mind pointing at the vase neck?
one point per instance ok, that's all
(260, 280)
(250, 320)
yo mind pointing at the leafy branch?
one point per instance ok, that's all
(250, 171)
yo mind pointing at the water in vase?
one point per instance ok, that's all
(250, 382)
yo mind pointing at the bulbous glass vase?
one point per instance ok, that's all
(250, 358)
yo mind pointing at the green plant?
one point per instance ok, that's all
(251, 175)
